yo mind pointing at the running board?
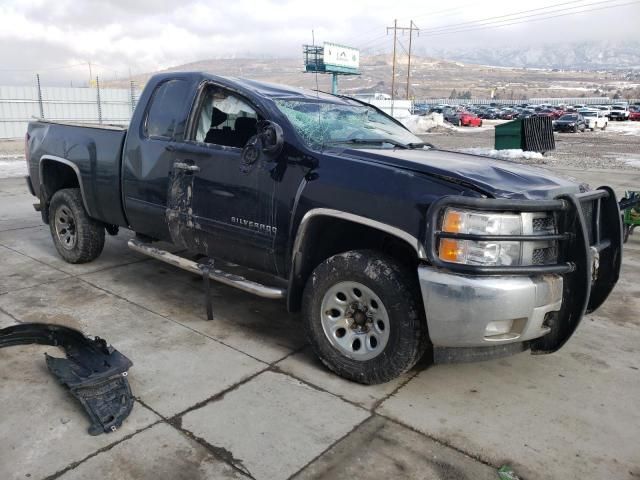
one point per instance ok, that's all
(229, 279)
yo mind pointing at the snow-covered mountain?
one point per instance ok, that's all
(574, 56)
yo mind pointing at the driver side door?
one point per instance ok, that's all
(215, 203)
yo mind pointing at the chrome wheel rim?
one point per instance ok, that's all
(65, 225)
(355, 321)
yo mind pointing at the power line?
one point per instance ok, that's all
(429, 30)
(43, 69)
(548, 15)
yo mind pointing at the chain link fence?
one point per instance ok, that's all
(88, 105)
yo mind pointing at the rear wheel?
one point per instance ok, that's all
(78, 238)
(363, 316)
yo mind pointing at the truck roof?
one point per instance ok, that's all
(265, 89)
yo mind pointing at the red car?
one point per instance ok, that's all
(469, 120)
(634, 114)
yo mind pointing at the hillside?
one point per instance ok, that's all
(430, 77)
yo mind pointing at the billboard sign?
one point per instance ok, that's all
(346, 58)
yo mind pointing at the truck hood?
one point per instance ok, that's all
(494, 178)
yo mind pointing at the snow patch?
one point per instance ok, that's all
(625, 128)
(12, 166)
(632, 162)
(510, 154)
(423, 123)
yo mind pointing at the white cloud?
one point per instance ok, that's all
(146, 35)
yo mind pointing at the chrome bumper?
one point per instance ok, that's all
(476, 311)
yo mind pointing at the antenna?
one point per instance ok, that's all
(313, 42)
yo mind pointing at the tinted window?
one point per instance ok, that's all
(167, 112)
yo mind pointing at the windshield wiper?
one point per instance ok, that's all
(380, 141)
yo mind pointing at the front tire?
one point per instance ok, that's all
(363, 316)
(78, 238)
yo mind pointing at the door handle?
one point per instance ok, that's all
(185, 166)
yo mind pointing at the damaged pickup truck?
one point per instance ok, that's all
(390, 247)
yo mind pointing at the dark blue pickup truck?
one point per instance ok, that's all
(393, 249)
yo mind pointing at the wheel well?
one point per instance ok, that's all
(54, 176)
(328, 236)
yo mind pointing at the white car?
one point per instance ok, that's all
(619, 112)
(605, 109)
(594, 118)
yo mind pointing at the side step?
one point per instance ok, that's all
(230, 279)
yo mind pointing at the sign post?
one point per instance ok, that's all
(331, 58)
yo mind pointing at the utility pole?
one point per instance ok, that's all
(90, 74)
(412, 27)
(393, 68)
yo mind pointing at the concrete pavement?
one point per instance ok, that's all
(242, 396)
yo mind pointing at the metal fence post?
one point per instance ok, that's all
(40, 96)
(98, 99)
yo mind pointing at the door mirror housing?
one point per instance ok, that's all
(271, 136)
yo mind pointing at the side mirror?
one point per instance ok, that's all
(271, 135)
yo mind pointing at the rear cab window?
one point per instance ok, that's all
(167, 112)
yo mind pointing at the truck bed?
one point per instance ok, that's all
(93, 151)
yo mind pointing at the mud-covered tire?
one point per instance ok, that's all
(395, 287)
(77, 237)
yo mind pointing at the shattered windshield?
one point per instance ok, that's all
(322, 124)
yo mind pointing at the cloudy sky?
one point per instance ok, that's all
(57, 38)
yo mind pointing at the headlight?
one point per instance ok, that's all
(495, 253)
(473, 252)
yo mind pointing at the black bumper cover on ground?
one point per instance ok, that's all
(94, 372)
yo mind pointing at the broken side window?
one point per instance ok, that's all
(225, 119)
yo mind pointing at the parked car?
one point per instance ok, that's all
(634, 113)
(619, 112)
(594, 119)
(460, 256)
(451, 115)
(468, 119)
(606, 110)
(571, 122)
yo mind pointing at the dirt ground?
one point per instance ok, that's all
(617, 147)
(243, 397)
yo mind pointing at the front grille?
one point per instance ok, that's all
(544, 224)
(544, 256)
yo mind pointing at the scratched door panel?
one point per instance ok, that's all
(229, 220)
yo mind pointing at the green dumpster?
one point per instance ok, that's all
(509, 136)
(534, 134)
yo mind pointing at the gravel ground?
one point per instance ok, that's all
(618, 147)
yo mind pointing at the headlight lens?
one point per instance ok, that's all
(490, 253)
(486, 253)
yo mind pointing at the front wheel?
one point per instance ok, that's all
(363, 316)
(78, 238)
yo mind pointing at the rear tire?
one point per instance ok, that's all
(78, 238)
(363, 316)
